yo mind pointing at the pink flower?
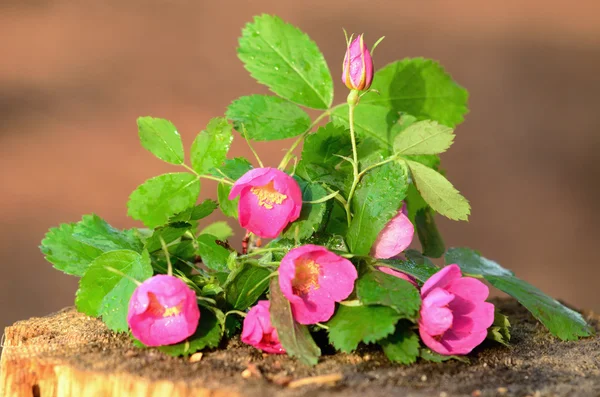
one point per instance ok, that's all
(358, 66)
(162, 311)
(313, 279)
(454, 314)
(269, 200)
(395, 237)
(258, 330)
(399, 274)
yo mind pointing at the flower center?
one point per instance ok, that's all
(267, 195)
(158, 310)
(306, 277)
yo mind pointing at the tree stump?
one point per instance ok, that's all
(70, 354)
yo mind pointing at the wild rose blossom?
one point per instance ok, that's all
(269, 200)
(454, 314)
(399, 274)
(358, 66)
(258, 330)
(395, 237)
(313, 279)
(162, 311)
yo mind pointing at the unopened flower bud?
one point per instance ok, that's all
(358, 66)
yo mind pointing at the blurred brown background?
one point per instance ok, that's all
(75, 75)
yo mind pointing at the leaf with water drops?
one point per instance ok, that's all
(106, 287)
(286, 60)
(161, 138)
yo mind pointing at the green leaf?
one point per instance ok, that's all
(351, 325)
(93, 230)
(247, 286)
(500, 329)
(65, 252)
(377, 288)
(320, 161)
(561, 321)
(429, 236)
(210, 147)
(295, 338)
(419, 87)
(103, 292)
(424, 137)
(415, 265)
(221, 230)
(160, 137)
(286, 60)
(323, 146)
(228, 207)
(312, 214)
(267, 118)
(196, 213)
(376, 123)
(427, 354)
(168, 233)
(403, 346)
(207, 335)
(213, 255)
(161, 197)
(377, 199)
(232, 168)
(438, 192)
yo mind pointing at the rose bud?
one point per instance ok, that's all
(269, 200)
(358, 66)
(162, 311)
(258, 331)
(395, 237)
(454, 314)
(313, 279)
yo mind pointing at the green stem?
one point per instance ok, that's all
(288, 156)
(166, 251)
(245, 133)
(214, 178)
(369, 168)
(352, 102)
(261, 251)
(239, 313)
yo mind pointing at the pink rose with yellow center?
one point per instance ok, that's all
(162, 311)
(269, 200)
(313, 279)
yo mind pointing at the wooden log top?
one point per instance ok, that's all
(70, 354)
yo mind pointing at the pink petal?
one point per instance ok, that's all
(395, 237)
(254, 177)
(436, 318)
(462, 344)
(469, 288)
(263, 222)
(337, 276)
(441, 279)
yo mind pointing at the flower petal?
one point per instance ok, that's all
(441, 279)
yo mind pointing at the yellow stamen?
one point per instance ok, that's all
(306, 277)
(171, 311)
(268, 196)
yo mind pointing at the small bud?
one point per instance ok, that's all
(358, 66)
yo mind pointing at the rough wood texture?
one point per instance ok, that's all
(69, 354)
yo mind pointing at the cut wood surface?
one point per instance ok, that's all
(70, 354)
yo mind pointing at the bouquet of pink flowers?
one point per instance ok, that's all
(328, 231)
